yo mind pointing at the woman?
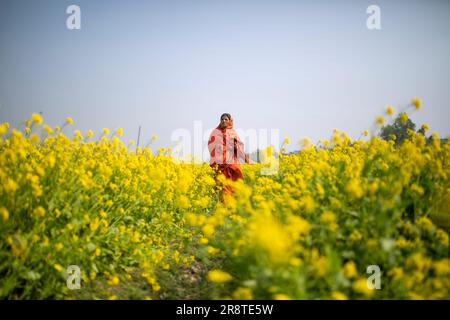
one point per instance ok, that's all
(226, 148)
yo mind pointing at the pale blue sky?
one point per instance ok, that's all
(304, 67)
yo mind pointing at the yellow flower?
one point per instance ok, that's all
(403, 118)
(425, 127)
(120, 132)
(415, 296)
(203, 202)
(219, 276)
(34, 138)
(268, 152)
(305, 143)
(296, 262)
(308, 204)
(281, 296)
(3, 129)
(297, 227)
(417, 189)
(380, 120)
(350, 270)
(321, 266)
(360, 286)
(442, 236)
(183, 202)
(36, 118)
(365, 133)
(78, 134)
(18, 244)
(39, 211)
(212, 250)
(191, 219)
(154, 137)
(354, 188)
(94, 224)
(69, 120)
(114, 281)
(243, 294)
(442, 267)
(425, 224)
(418, 261)
(416, 103)
(270, 236)
(136, 237)
(90, 133)
(396, 273)
(390, 110)
(131, 142)
(58, 267)
(48, 129)
(4, 214)
(355, 236)
(327, 217)
(156, 287)
(208, 230)
(105, 131)
(286, 140)
(337, 295)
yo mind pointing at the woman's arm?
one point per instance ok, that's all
(239, 148)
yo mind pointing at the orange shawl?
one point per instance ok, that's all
(226, 148)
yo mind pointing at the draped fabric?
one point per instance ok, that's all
(225, 149)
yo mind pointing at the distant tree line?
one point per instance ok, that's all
(398, 130)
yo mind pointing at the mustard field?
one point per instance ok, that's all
(141, 225)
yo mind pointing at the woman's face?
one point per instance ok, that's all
(225, 122)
